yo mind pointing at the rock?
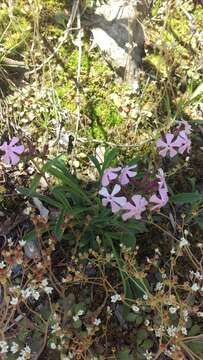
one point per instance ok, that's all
(118, 33)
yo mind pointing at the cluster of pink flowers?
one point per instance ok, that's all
(11, 151)
(178, 142)
(137, 204)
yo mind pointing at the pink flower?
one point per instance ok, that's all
(109, 174)
(126, 173)
(187, 126)
(116, 202)
(162, 181)
(134, 211)
(11, 150)
(167, 146)
(184, 142)
(159, 201)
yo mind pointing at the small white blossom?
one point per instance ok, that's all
(173, 309)
(200, 313)
(185, 315)
(195, 287)
(159, 332)
(198, 275)
(135, 308)
(14, 347)
(22, 243)
(147, 322)
(186, 232)
(55, 327)
(148, 355)
(109, 311)
(2, 265)
(183, 330)
(159, 286)
(53, 345)
(48, 290)
(3, 347)
(26, 293)
(145, 296)
(14, 301)
(80, 312)
(75, 317)
(10, 242)
(171, 331)
(25, 353)
(183, 243)
(97, 321)
(44, 283)
(173, 251)
(115, 298)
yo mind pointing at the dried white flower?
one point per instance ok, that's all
(173, 309)
(115, 298)
(195, 287)
(3, 347)
(172, 330)
(80, 312)
(183, 330)
(14, 347)
(2, 265)
(183, 243)
(148, 355)
(97, 321)
(159, 286)
(14, 301)
(22, 243)
(135, 308)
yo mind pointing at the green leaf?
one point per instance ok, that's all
(109, 156)
(198, 92)
(97, 164)
(196, 347)
(131, 317)
(195, 330)
(77, 324)
(147, 344)
(187, 198)
(125, 355)
(57, 229)
(142, 334)
(200, 222)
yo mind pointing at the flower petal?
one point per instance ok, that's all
(172, 152)
(169, 138)
(104, 192)
(114, 207)
(18, 149)
(14, 158)
(14, 141)
(160, 143)
(163, 152)
(121, 200)
(116, 190)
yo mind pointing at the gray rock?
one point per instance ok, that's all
(118, 33)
